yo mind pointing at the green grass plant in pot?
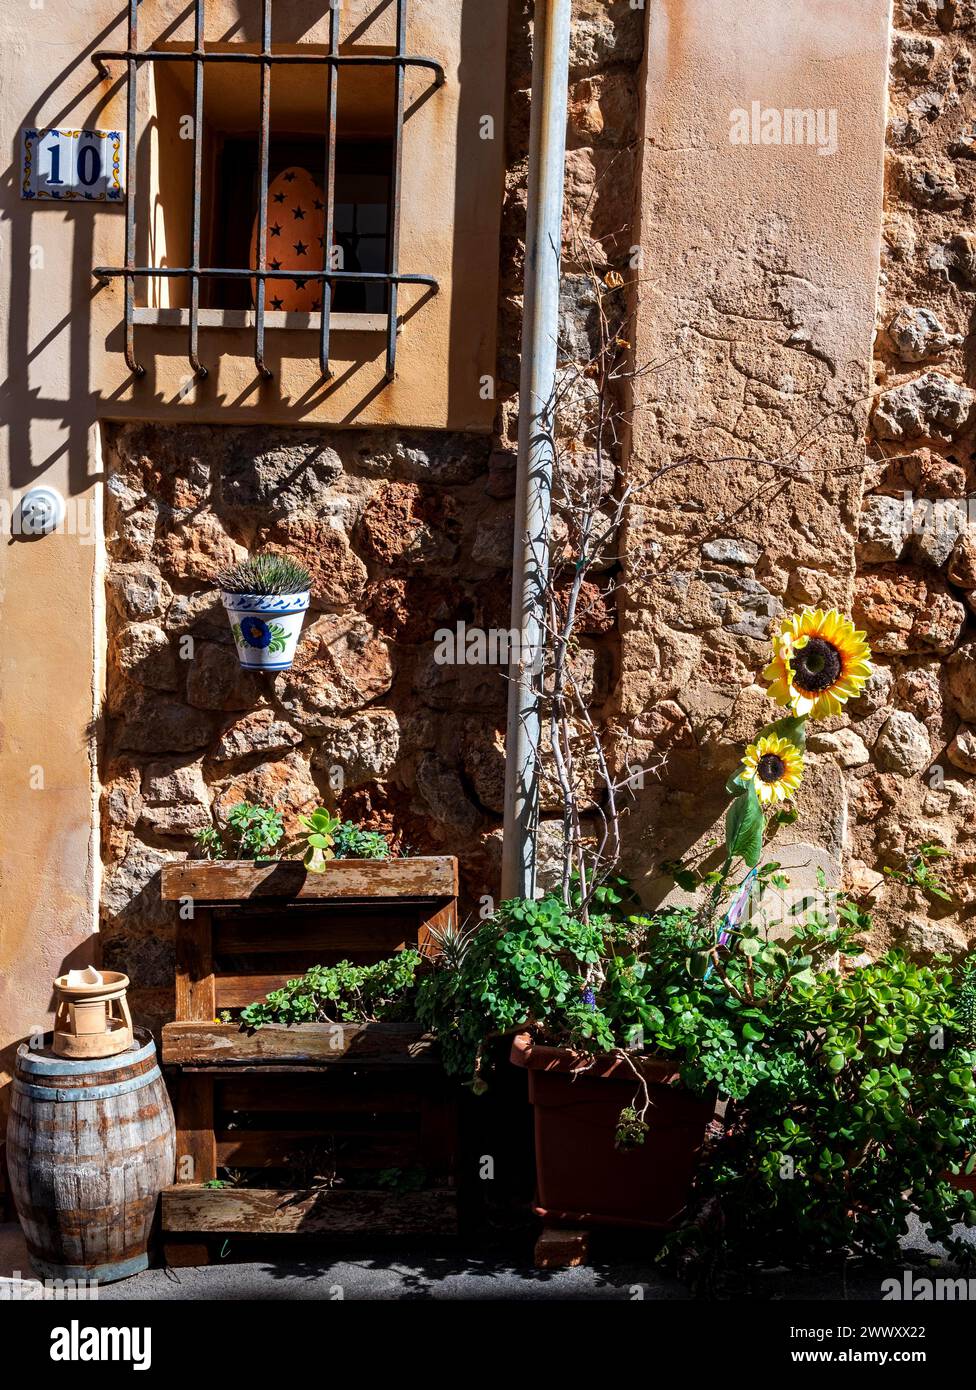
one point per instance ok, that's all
(266, 597)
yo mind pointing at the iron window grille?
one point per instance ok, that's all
(331, 63)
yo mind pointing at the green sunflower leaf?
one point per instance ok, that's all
(736, 785)
(744, 829)
(792, 728)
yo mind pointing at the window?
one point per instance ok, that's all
(251, 161)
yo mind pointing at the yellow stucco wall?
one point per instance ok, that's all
(64, 372)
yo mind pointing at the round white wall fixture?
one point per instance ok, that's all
(41, 511)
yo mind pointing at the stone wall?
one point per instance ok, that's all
(402, 538)
(756, 320)
(912, 759)
(405, 533)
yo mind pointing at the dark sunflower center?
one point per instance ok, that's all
(770, 767)
(816, 666)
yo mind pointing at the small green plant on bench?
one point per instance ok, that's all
(252, 832)
(257, 832)
(342, 993)
(327, 838)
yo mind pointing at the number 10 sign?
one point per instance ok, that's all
(72, 164)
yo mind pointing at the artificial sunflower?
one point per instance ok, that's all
(819, 662)
(775, 766)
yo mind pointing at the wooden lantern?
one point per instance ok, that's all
(92, 1017)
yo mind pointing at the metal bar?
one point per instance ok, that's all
(332, 101)
(132, 82)
(366, 60)
(199, 370)
(393, 240)
(106, 272)
(537, 388)
(259, 361)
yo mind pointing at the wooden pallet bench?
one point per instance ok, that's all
(315, 1129)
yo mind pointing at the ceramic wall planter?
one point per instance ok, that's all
(580, 1175)
(266, 628)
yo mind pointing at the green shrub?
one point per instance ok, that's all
(252, 832)
(870, 1107)
(342, 993)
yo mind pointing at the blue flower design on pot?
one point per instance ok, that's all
(266, 628)
(255, 632)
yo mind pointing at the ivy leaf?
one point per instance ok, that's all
(744, 829)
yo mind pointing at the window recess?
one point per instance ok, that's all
(224, 240)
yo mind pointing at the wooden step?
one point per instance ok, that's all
(323, 1211)
(217, 881)
(218, 1045)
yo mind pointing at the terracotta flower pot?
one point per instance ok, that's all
(580, 1175)
(266, 628)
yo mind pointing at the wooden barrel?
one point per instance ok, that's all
(90, 1145)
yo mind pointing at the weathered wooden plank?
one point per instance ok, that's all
(320, 1044)
(196, 1150)
(237, 991)
(324, 1093)
(438, 1133)
(206, 881)
(343, 927)
(195, 995)
(318, 1151)
(438, 920)
(335, 1211)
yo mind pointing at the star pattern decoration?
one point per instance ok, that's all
(294, 228)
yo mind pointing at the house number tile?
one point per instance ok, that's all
(72, 165)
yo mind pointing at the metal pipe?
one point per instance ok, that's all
(199, 370)
(396, 180)
(263, 175)
(540, 319)
(131, 100)
(332, 109)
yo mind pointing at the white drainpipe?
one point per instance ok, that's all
(543, 239)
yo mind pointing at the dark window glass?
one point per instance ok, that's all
(362, 213)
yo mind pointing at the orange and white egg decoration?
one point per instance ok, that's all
(296, 241)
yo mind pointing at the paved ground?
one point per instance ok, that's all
(437, 1274)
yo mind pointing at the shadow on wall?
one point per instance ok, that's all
(30, 414)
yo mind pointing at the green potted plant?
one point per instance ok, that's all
(616, 1133)
(256, 832)
(630, 1026)
(266, 597)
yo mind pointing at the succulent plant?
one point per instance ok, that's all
(269, 573)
